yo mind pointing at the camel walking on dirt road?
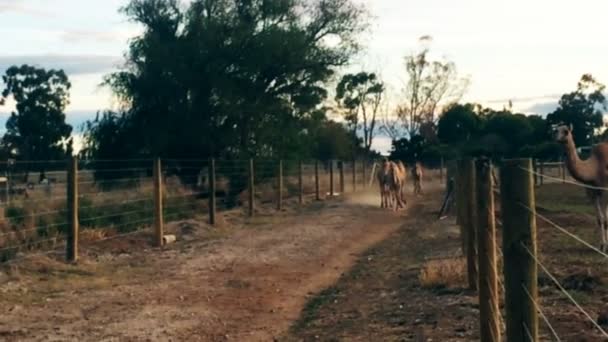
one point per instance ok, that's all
(400, 175)
(384, 179)
(391, 178)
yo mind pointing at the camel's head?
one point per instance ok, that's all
(563, 133)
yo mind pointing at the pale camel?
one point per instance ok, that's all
(384, 179)
(398, 177)
(417, 177)
(592, 172)
(403, 180)
(391, 180)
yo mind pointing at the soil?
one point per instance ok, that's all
(336, 270)
(245, 281)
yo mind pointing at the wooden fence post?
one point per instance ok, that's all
(460, 205)
(563, 169)
(301, 183)
(535, 169)
(251, 188)
(470, 220)
(212, 191)
(342, 186)
(486, 251)
(72, 197)
(317, 187)
(158, 203)
(331, 178)
(280, 186)
(364, 173)
(542, 172)
(441, 166)
(354, 175)
(519, 233)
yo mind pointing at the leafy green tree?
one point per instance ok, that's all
(37, 129)
(540, 129)
(458, 124)
(360, 96)
(334, 141)
(221, 77)
(583, 109)
(514, 129)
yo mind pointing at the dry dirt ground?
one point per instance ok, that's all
(247, 280)
(335, 270)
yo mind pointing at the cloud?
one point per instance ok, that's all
(71, 64)
(542, 108)
(80, 36)
(17, 6)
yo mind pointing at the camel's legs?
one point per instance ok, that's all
(604, 227)
(601, 220)
(381, 195)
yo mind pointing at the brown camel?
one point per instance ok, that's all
(391, 180)
(417, 176)
(592, 172)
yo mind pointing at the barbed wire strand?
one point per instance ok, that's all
(564, 291)
(27, 244)
(565, 231)
(591, 187)
(37, 228)
(134, 169)
(122, 213)
(542, 314)
(528, 333)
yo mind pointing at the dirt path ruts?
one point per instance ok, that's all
(248, 286)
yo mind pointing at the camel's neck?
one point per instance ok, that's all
(583, 171)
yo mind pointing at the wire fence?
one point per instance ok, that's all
(116, 198)
(569, 308)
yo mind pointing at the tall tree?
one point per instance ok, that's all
(360, 96)
(37, 129)
(458, 124)
(583, 109)
(221, 77)
(431, 85)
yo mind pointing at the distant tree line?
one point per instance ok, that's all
(471, 130)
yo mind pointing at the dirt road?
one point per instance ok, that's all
(247, 281)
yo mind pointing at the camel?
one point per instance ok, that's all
(384, 179)
(592, 172)
(403, 180)
(398, 175)
(391, 180)
(417, 176)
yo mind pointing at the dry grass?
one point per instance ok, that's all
(444, 272)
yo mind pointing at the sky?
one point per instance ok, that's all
(528, 51)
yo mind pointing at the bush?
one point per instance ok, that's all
(15, 215)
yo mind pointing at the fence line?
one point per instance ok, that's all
(517, 190)
(565, 292)
(105, 196)
(542, 175)
(542, 314)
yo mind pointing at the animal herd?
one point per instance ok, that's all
(392, 180)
